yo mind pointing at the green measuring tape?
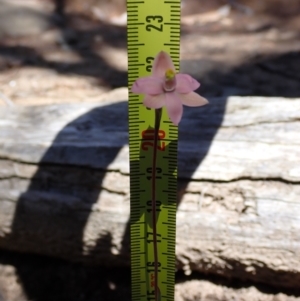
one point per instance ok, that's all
(152, 26)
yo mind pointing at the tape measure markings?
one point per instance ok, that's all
(140, 119)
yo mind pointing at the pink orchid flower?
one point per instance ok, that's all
(166, 88)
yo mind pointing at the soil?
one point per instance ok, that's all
(77, 53)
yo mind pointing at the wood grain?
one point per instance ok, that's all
(64, 186)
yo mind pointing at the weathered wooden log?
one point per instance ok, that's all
(64, 186)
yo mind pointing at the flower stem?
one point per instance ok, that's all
(158, 113)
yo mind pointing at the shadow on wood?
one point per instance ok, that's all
(53, 216)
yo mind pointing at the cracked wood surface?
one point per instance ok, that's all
(64, 186)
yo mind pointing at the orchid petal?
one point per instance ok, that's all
(161, 64)
(185, 83)
(148, 85)
(174, 107)
(193, 99)
(154, 101)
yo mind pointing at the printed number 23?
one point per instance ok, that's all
(150, 19)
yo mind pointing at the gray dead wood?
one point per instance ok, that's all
(64, 186)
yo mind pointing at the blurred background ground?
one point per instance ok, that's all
(232, 47)
(75, 51)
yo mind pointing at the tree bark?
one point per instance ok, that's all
(64, 186)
